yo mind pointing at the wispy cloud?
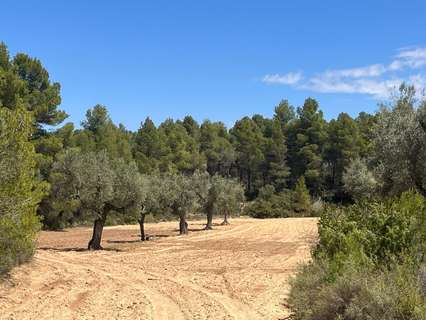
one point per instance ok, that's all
(412, 58)
(377, 80)
(368, 71)
(290, 78)
(374, 87)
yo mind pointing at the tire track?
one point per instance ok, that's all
(233, 272)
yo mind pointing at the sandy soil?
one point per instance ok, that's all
(239, 271)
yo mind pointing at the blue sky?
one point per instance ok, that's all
(220, 59)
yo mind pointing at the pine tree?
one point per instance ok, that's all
(182, 150)
(26, 83)
(215, 145)
(284, 113)
(249, 143)
(343, 144)
(366, 123)
(301, 200)
(20, 192)
(192, 127)
(100, 133)
(306, 136)
(276, 158)
(149, 148)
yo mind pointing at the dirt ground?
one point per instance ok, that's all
(239, 271)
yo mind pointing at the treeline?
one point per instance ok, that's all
(258, 151)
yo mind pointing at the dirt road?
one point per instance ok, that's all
(236, 272)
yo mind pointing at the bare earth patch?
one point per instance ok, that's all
(239, 271)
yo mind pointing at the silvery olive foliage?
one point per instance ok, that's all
(89, 183)
(217, 194)
(400, 143)
(359, 181)
(179, 195)
(230, 196)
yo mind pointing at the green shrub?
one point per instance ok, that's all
(374, 232)
(284, 204)
(357, 295)
(17, 239)
(358, 181)
(269, 204)
(317, 207)
(369, 264)
(19, 190)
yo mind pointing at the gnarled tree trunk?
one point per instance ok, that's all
(225, 219)
(98, 227)
(183, 225)
(209, 224)
(142, 227)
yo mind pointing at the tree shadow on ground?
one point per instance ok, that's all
(214, 224)
(202, 228)
(192, 229)
(76, 249)
(123, 241)
(150, 237)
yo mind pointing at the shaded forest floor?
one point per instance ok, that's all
(238, 271)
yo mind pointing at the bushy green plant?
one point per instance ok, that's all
(366, 294)
(317, 207)
(270, 205)
(19, 190)
(358, 181)
(369, 264)
(301, 200)
(375, 232)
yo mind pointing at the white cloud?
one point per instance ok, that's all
(409, 58)
(290, 78)
(377, 80)
(416, 53)
(368, 71)
(378, 88)
(396, 65)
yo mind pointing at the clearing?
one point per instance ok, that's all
(239, 271)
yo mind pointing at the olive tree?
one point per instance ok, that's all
(179, 197)
(206, 191)
(153, 202)
(217, 194)
(229, 199)
(93, 185)
(400, 143)
(358, 180)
